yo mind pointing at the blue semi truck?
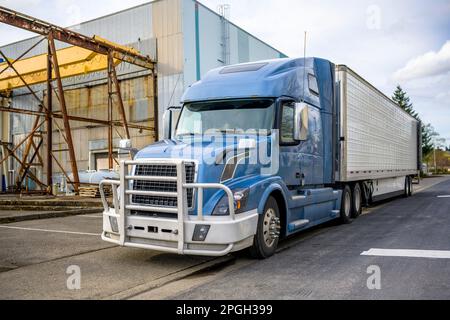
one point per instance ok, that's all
(258, 152)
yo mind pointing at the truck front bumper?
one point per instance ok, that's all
(183, 234)
(223, 235)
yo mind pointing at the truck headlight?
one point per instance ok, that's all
(240, 202)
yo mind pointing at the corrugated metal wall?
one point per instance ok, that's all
(189, 42)
(208, 38)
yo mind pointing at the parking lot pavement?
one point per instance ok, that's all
(338, 263)
(35, 255)
(324, 263)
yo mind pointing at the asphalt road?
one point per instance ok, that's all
(35, 257)
(324, 263)
(328, 263)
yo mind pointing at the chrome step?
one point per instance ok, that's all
(295, 225)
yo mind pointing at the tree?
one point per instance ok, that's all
(428, 133)
(402, 99)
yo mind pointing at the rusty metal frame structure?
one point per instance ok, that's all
(52, 33)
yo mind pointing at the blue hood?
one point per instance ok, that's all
(209, 154)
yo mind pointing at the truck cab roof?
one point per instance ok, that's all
(265, 79)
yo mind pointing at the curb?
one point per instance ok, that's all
(49, 215)
(178, 275)
(420, 189)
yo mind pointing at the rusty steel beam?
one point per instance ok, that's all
(25, 173)
(30, 174)
(49, 119)
(21, 78)
(110, 114)
(62, 102)
(32, 24)
(62, 169)
(21, 142)
(23, 54)
(115, 81)
(79, 119)
(30, 142)
(155, 105)
(22, 111)
(41, 161)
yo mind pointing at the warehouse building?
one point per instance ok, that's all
(185, 38)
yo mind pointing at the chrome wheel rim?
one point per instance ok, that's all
(347, 203)
(271, 227)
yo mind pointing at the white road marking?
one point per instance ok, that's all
(433, 254)
(53, 231)
(446, 196)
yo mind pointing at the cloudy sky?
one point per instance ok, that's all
(387, 42)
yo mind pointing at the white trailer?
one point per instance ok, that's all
(379, 141)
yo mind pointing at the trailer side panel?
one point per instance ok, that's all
(378, 138)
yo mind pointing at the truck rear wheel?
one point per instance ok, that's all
(408, 187)
(267, 235)
(346, 205)
(356, 201)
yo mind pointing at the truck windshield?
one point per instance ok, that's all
(232, 116)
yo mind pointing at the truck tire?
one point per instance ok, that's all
(410, 187)
(346, 205)
(266, 239)
(356, 201)
(406, 193)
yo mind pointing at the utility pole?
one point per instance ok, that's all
(434, 156)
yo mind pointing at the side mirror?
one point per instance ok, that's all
(125, 146)
(301, 122)
(170, 120)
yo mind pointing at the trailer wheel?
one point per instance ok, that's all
(407, 192)
(267, 235)
(346, 205)
(356, 201)
(410, 187)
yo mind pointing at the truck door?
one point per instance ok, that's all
(315, 145)
(296, 160)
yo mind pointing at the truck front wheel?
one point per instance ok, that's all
(346, 205)
(267, 235)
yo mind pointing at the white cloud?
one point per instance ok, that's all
(19, 4)
(429, 64)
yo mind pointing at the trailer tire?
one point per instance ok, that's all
(407, 193)
(346, 205)
(357, 200)
(410, 187)
(264, 246)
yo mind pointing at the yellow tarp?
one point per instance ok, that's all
(73, 61)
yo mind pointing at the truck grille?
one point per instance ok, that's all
(161, 186)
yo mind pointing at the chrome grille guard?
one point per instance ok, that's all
(123, 206)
